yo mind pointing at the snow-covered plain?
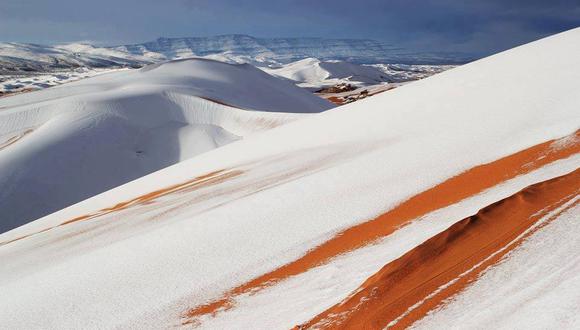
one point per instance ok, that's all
(25, 58)
(64, 144)
(10, 84)
(279, 193)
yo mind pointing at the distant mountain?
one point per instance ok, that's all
(287, 50)
(17, 58)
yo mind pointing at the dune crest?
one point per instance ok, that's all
(406, 289)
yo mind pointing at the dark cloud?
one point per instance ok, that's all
(475, 26)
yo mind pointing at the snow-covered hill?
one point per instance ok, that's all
(314, 73)
(62, 145)
(364, 216)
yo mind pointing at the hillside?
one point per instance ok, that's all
(315, 74)
(65, 144)
(448, 202)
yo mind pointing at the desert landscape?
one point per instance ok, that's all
(235, 182)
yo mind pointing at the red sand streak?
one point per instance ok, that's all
(341, 98)
(21, 91)
(196, 183)
(395, 297)
(444, 194)
(218, 102)
(15, 138)
(336, 100)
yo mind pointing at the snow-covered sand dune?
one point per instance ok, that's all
(62, 145)
(273, 231)
(314, 74)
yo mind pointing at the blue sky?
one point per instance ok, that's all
(480, 27)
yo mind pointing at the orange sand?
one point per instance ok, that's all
(454, 257)
(444, 194)
(336, 100)
(15, 138)
(218, 102)
(196, 183)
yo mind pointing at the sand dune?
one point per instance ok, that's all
(273, 230)
(447, 193)
(65, 144)
(406, 289)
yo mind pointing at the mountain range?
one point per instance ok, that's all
(18, 58)
(287, 50)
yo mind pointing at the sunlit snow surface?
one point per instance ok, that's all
(314, 74)
(536, 287)
(275, 195)
(64, 144)
(10, 84)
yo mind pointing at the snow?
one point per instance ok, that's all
(406, 72)
(25, 67)
(133, 123)
(298, 299)
(29, 82)
(290, 189)
(309, 73)
(315, 74)
(23, 58)
(530, 289)
(20, 58)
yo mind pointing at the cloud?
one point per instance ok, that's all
(431, 25)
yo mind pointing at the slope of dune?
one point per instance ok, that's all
(65, 144)
(314, 73)
(273, 231)
(396, 296)
(311, 72)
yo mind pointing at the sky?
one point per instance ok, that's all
(476, 27)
